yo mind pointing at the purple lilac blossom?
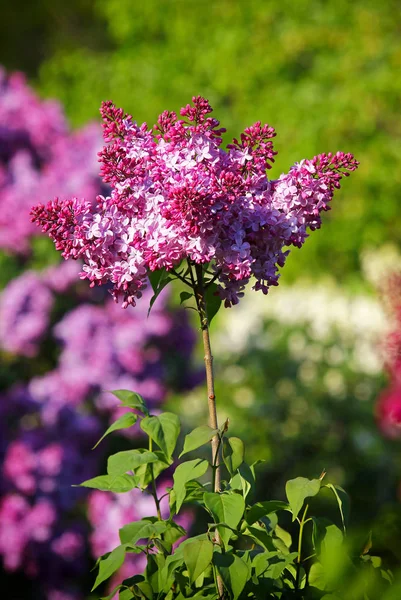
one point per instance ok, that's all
(39, 156)
(25, 307)
(176, 195)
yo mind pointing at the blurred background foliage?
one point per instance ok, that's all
(325, 75)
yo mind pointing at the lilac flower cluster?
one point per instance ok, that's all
(176, 195)
(39, 156)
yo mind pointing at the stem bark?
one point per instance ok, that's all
(201, 305)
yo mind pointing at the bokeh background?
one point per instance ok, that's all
(309, 376)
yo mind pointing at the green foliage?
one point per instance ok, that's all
(131, 400)
(213, 301)
(163, 430)
(298, 490)
(198, 556)
(184, 473)
(123, 422)
(245, 546)
(197, 438)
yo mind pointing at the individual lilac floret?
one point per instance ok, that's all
(176, 195)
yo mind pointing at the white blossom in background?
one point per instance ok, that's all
(326, 312)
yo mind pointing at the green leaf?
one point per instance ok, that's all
(129, 460)
(172, 535)
(367, 544)
(125, 421)
(109, 483)
(173, 562)
(225, 508)
(213, 301)
(342, 501)
(146, 471)
(197, 438)
(144, 529)
(276, 568)
(326, 536)
(110, 564)
(125, 595)
(155, 572)
(233, 453)
(317, 577)
(113, 593)
(298, 489)
(185, 472)
(131, 400)
(198, 556)
(163, 430)
(284, 536)
(234, 572)
(262, 509)
(158, 280)
(243, 480)
(272, 564)
(262, 560)
(184, 296)
(156, 277)
(259, 535)
(144, 590)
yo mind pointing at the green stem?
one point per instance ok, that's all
(180, 277)
(301, 529)
(199, 290)
(201, 305)
(154, 490)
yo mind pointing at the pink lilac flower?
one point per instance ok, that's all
(176, 195)
(21, 522)
(25, 307)
(388, 412)
(39, 155)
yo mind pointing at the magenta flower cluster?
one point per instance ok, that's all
(39, 156)
(176, 195)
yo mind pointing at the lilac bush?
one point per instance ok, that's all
(181, 207)
(62, 347)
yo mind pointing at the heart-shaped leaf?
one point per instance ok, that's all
(131, 400)
(225, 508)
(197, 438)
(233, 571)
(298, 490)
(109, 483)
(185, 472)
(163, 430)
(233, 453)
(197, 557)
(126, 420)
(110, 564)
(129, 460)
